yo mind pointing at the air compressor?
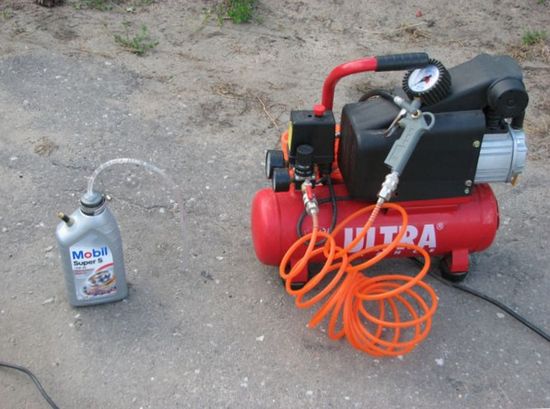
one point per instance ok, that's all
(418, 159)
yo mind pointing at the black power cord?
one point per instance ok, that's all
(334, 218)
(489, 299)
(34, 379)
(376, 93)
(332, 199)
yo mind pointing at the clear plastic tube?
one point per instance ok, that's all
(150, 167)
(126, 161)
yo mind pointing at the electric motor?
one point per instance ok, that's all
(477, 137)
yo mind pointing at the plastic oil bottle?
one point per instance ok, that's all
(91, 253)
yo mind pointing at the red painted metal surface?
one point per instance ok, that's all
(443, 227)
(343, 70)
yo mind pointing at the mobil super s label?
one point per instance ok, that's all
(93, 270)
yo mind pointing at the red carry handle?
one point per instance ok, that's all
(395, 62)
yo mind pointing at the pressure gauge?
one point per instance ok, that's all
(431, 83)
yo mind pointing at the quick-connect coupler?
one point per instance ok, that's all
(310, 202)
(388, 186)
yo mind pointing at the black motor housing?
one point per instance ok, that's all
(487, 94)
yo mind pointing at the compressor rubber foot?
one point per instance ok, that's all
(453, 277)
(454, 266)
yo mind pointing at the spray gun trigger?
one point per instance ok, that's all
(393, 126)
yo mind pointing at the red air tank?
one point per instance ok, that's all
(452, 228)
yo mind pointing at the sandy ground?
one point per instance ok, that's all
(206, 325)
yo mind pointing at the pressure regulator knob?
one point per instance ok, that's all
(431, 83)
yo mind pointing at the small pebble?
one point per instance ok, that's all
(260, 338)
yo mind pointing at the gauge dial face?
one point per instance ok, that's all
(423, 79)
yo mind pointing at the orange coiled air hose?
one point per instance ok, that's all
(387, 315)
